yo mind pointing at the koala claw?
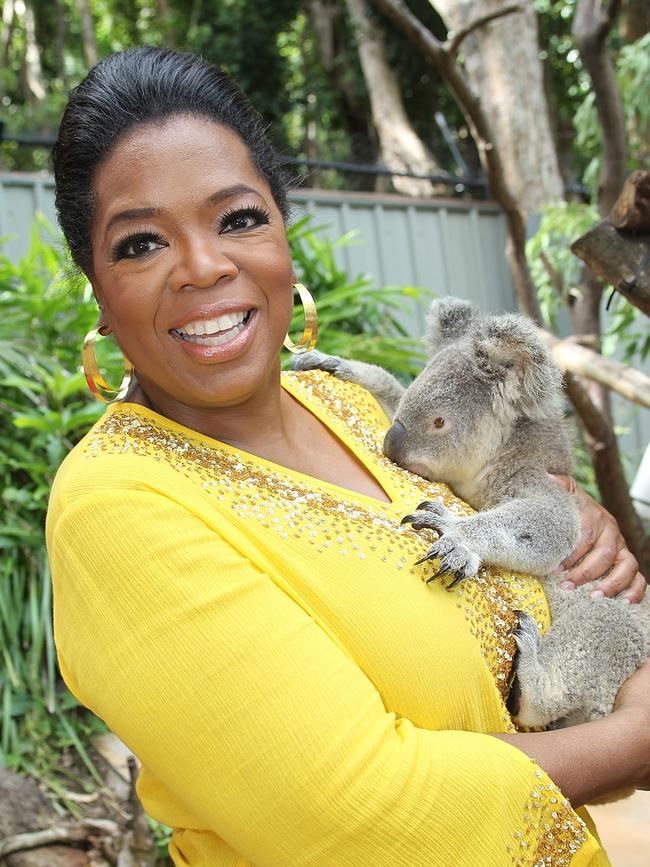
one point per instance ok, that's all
(455, 559)
(315, 360)
(432, 514)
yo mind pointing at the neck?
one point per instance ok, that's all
(259, 423)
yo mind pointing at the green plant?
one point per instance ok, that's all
(44, 412)
(356, 319)
(556, 272)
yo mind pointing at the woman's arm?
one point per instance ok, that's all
(602, 554)
(258, 722)
(594, 759)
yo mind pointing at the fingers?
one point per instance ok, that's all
(622, 577)
(588, 537)
(637, 588)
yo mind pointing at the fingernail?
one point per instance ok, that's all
(568, 585)
(626, 600)
(597, 594)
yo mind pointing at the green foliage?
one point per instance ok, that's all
(632, 73)
(556, 272)
(355, 318)
(44, 412)
(46, 409)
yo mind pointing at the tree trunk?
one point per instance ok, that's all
(32, 72)
(167, 20)
(327, 21)
(443, 57)
(88, 33)
(59, 41)
(635, 20)
(401, 148)
(591, 26)
(501, 60)
(7, 31)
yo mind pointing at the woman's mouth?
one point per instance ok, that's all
(218, 338)
(214, 332)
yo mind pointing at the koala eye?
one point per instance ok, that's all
(439, 422)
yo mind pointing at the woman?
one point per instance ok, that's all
(232, 592)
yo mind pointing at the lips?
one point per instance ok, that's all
(212, 337)
(215, 331)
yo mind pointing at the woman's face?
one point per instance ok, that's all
(191, 264)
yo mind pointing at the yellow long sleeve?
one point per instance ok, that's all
(272, 727)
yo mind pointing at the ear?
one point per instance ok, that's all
(510, 351)
(103, 321)
(448, 319)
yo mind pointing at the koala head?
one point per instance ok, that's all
(485, 372)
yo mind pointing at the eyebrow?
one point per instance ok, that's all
(214, 199)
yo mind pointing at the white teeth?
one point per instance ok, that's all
(213, 326)
(216, 339)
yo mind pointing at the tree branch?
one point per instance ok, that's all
(609, 471)
(591, 26)
(63, 833)
(470, 104)
(453, 45)
(571, 357)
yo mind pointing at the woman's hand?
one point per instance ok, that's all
(602, 554)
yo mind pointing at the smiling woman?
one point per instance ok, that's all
(233, 593)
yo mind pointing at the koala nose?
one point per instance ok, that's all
(394, 441)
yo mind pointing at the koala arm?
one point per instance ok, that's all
(379, 382)
(531, 533)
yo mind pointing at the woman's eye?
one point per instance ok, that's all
(243, 218)
(135, 246)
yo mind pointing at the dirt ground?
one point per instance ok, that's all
(624, 828)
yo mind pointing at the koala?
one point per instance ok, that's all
(485, 416)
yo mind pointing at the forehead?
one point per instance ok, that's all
(181, 156)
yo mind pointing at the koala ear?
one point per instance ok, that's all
(510, 350)
(448, 319)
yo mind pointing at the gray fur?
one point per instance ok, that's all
(495, 386)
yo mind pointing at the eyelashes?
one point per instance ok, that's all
(133, 245)
(252, 212)
(121, 250)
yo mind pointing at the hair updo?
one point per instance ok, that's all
(138, 86)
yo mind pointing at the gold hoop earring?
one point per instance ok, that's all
(310, 332)
(96, 382)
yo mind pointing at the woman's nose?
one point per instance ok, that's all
(202, 263)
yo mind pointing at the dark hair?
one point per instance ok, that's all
(136, 86)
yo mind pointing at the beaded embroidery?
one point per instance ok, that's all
(556, 830)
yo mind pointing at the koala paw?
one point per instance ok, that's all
(535, 694)
(455, 559)
(315, 360)
(432, 515)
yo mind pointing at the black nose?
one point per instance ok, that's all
(394, 441)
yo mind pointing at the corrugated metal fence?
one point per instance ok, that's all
(450, 246)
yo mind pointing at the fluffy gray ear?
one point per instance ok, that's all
(448, 319)
(510, 351)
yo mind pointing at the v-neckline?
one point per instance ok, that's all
(334, 425)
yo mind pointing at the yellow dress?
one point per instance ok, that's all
(262, 641)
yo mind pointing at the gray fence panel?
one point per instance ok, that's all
(450, 246)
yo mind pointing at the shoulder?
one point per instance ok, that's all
(127, 450)
(347, 401)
